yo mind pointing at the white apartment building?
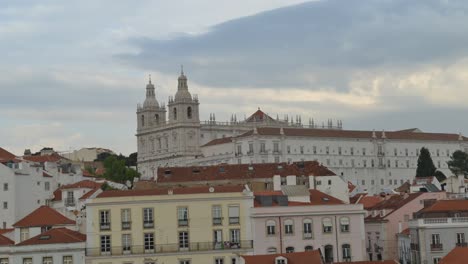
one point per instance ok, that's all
(373, 161)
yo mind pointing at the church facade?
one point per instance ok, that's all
(373, 161)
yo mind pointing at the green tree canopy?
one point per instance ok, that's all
(115, 170)
(458, 163)
(426, 166)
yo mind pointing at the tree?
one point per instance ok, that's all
(115, 170)
(440, 176)
(132, 159)
(426, 166)
(458, 163)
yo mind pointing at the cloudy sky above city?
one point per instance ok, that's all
(72, 72)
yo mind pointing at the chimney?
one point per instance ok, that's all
(277, 183)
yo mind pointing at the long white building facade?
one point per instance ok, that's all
(375, 161)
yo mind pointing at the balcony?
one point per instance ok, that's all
(437, 247)
(233, 220)
(148, 224)
(105, 226)
(462, 244)
(171, 248)
(217, 220)
(126, 225)
(307, 235)
(183, 222)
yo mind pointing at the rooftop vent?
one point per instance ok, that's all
(196, 170)
(326, 199)
(167, 172)
(46, 237)
(280, 167)
(251, 168)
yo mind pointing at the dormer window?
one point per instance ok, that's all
(281, 260)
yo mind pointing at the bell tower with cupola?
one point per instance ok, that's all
(183, 107)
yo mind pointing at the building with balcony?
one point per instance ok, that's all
(170, 225)
(437, 229)
(390, 217)
(308, 257)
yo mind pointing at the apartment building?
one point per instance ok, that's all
(437, 229)
(185, 225)
(296, 219)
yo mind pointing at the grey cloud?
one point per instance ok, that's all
(326, 38)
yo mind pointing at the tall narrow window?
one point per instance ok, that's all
(182, 216)
(461, 239)
(217, 215)
(327, 225)
(288, 227)
(148, 218)
(156, 118)
(351, 151)
(105, 244)
(126, 243)
(67, 259)
(344, 224)
(189, 112)
(142, 120)
(271, 226)
(235, 236)
(183, 240)
(126, 219)
(346, 248)
(233, 214)
(149, 242)
(104, 220)
(174, 111)
(47, 260)
(275, 147)
(307, 228)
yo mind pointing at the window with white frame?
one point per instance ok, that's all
(24, 233)
(271, 250)
(346, 251)
(104, 219)
(148, 218)
(436, 260)
(271, 226)
(233, 212)
(183, 240)
(308, 248)
(105, 244)
(344, 224)
(216, 214)
(47, 260)
(307, 228)
(126, 218)
(235, 236)
(460, 238)
(182, 216)
(289, 249)
(262, 147)
(288, 227)
(126, 242)
(27, 261)
(327, 225)
(4, 261)
(435, 239)
(219, 261)
(275, 147)
(184, 261)
(149, 242)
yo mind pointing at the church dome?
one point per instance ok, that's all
(182, 93)
(150, 101)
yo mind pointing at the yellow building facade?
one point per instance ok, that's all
(192, 225)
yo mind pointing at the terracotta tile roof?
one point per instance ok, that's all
(44, 216)
(366, 201)
(309, 257)
(55, 236)
(175, 191)
(46, 174)
(259, 116)
(5, 241)
(218, 141)
(456, 256)
(369, 262)
(334, 133)
(7, 230)
(6, 155)
(45, 158)
(391, 204)
(240, 171)
(83, 184)
(447, 206)
(88, 194)
(57, 195)
(351, 187)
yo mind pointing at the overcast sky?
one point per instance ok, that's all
(72, 72)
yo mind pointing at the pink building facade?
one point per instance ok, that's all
(323, 222)
(390, 217)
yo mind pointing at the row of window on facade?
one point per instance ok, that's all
(327, 227)
(382, 182)
(149, 244)
(45, 260)
(182, 217)
(276, 149)
(328, 250)
(46, 186)
(156, 117)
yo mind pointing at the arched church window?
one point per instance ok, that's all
(189, 112)
(175, 113)
(156, 118)
(142, 120)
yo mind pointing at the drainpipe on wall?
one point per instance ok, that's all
(336, 235)
(281, 235)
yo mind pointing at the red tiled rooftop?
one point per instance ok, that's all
(5, 241)
(7, 230)
(316, 198)
(447, 206)
(44, 216)
(456, 256)
(240, 171)
(309, 257)
(369, 262)
(391, 204)
(5, 155)
(370, 201)
(45, 158)
(175, 191)
(88, 194)
(405, 232)
(83, 184)
(55, 236)
(218, 141)
(259, 116)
